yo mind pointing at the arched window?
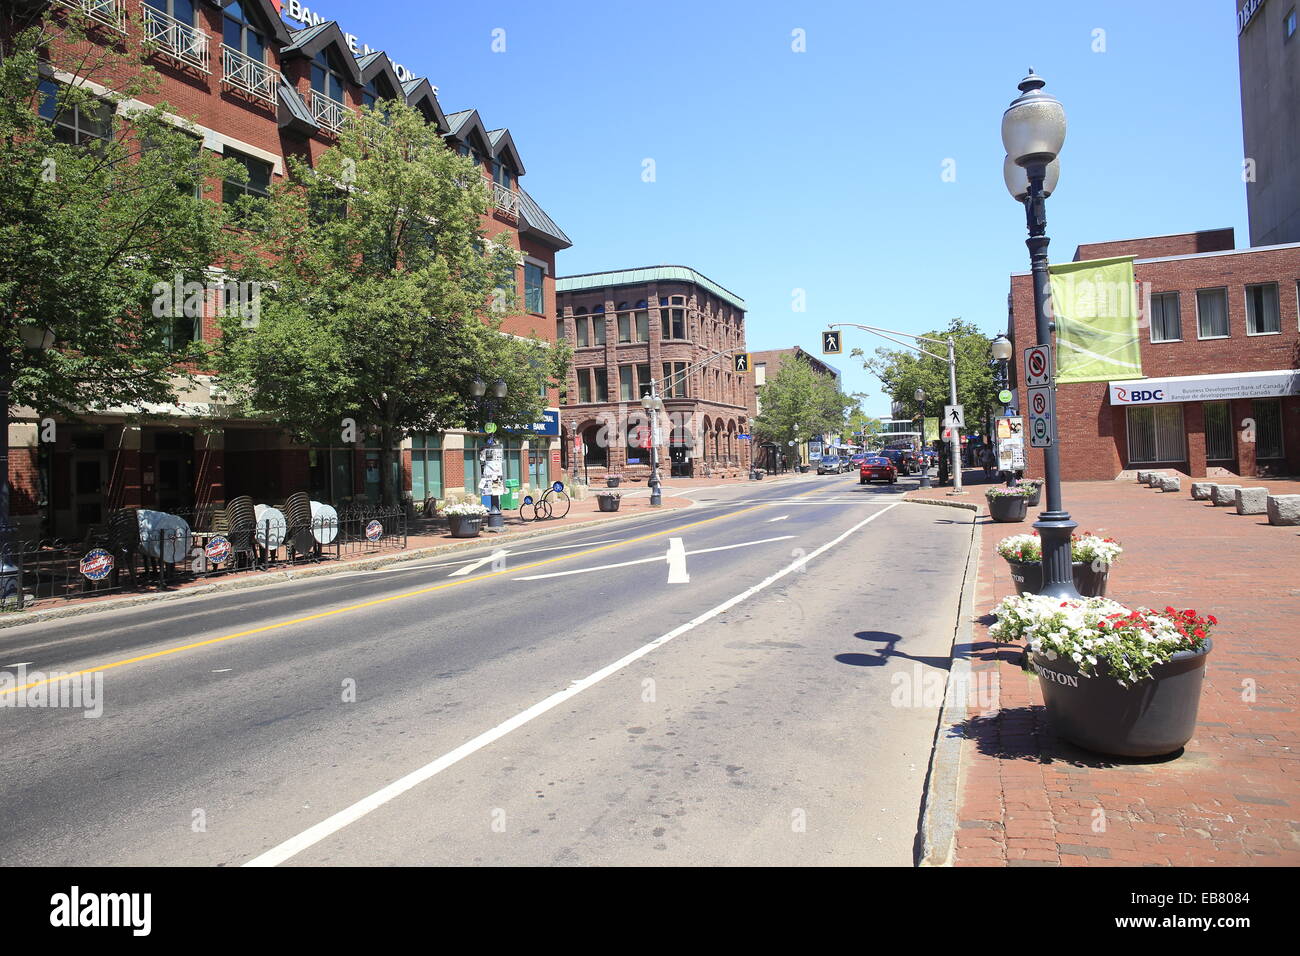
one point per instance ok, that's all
(238, 33)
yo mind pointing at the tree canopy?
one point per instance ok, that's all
(382, 297)
(799, 402)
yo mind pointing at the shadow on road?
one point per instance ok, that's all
(888, 652)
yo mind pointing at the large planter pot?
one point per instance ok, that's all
(464, 526)
(608, 502)
(1008, 507)
(613, 482)
(1089, 583)
(1035, 498)
(1148, 719)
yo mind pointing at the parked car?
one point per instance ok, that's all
(830, 465)
(877, 468)
(856, 461)
(902, 457)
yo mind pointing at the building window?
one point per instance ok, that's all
(259, 179)
(673, 323)
(642, 381)
(584, 386)
(600, 384)
(559, 330)
(760, 374)
(674, 380)
(538, 471)
(642, 326)
(1166, 324)
(76, 125)
(1218, 431)
(624, 328)
(426, 466)
(1268, 428)
(325, 76)
(184, 330)
(240, 35)
(580, 327)
(1155, 433)
(533, 299)
(1262, 315)
(625, 393)
(1212, 313)
(501, 174)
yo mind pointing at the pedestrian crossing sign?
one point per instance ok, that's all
(742, 361)
(831, 343)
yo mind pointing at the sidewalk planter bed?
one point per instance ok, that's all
(1008, 504)
(465, 520)
(1091, 557)
(608, 501)
(1114, 680)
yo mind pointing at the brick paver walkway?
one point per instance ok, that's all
(1233, 796)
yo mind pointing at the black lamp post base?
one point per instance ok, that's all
(1055, 529)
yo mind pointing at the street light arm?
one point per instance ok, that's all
(872, 328)
(907, 345)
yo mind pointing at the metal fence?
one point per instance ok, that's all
(123, 557)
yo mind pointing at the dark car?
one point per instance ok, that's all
(829, 465)
(902, 457)
(877, 468)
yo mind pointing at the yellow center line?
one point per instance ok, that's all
(99, 668)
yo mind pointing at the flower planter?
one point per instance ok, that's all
(464, 526)
(1146, 719)
(1029, 578)
(1008, 507)
(613, 482)
(608, 502)
(1035, 498)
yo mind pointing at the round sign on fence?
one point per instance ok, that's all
(374, 530)
(96, 565)
(218, 549)
(557, 486)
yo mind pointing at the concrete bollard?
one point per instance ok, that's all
(1171, 483)
(1252, 501)
(1154, 478)
(1284, 509)
(1224, 495)
(1144, 477)
(1201, 490)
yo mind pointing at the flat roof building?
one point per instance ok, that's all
(1268, 52)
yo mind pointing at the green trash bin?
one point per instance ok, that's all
(511, 499)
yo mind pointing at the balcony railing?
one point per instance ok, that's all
(327, 112)
(251, 76)
(502, 199)
(176, 38)
(110, 12)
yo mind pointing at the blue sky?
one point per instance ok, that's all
(823, 170)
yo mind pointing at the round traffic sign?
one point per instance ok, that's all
(1039, 403)
(1037, 364)
(1005, 396)
(1040, 429)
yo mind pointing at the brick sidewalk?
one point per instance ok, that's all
(1232, 797)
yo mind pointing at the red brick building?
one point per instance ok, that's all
(1220, 344)
(635, 326)
(258, 90)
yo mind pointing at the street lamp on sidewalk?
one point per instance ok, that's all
(920, 442)
(1033, 132)
(653, 404)
(487, 407)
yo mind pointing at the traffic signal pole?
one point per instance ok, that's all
(950, 361)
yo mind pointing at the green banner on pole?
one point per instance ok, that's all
(1095, 306)
(931, 430)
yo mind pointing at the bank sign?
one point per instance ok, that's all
(1205, 388)
(303, 15)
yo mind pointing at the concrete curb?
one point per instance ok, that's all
(937, 838)
(267, 578)
(968, 505)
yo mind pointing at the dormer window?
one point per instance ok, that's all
(372, 93)
(501, 174)
(326, 78)
(238, 33)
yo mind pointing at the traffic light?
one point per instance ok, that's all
(742, 361)
(831, 343)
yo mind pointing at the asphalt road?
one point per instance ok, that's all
(731, 683)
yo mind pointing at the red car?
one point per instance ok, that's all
(877, 468)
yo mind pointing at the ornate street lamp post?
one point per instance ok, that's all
(1033, 132)
(653, 404)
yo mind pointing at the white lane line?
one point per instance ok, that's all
(475, 565)
(333, 824)
(625, 564)
(782, 518)
(677, 562)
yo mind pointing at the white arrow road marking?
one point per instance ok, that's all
(677, 562)
(782, 518)
(367, 805)
(475, 565)
(624, 564)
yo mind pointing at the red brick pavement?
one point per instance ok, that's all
(1233, 796)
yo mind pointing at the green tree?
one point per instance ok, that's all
(383, 299)
(859, 422)
(799, 402)
(902, 371)
(101, 206)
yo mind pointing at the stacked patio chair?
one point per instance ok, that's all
(241, 521)
(297, 510)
